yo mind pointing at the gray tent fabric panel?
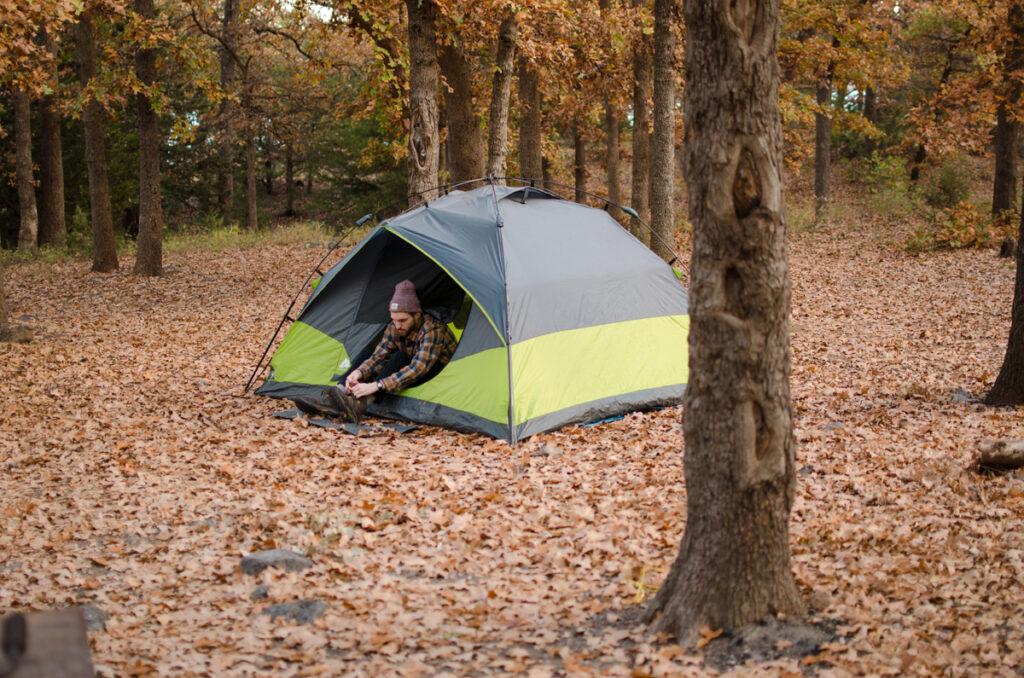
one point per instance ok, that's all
(366, 242)
(666, 396)
(592, 272)
(334, 304)
(477, 336)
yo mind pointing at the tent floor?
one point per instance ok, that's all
(366, 430)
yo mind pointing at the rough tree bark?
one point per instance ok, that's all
(531, 155)
(423, 109)
(52, 222)
(1009, 386)
(465, 137)
(28, 233)
(104, 253)
(662, 169)
(149, 249)
(226, 112)
(640, 185)
(501, 91)
(733, 566)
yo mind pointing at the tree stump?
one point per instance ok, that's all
(999, 456)
(55, 644)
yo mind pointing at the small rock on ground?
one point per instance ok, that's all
(254, 563)
(301, 611)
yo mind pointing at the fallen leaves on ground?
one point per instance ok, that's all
(136, 474)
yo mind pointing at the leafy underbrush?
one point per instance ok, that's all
(960, 226)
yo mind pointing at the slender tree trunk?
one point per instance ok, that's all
(28, 234)
(52, 224)
(501, 91)
(579, 159)
(465, 137)
(226, 113)
(104, 253)
(1009, 386)
(289, 180)
(251, 213)
(149, 249)
(640, 185)
(733, 566)
(822, 148)
(531, 155)
(1004, 180)
(947, 70)
(268, 169)
(662, 175)
(423, 106)
(611, 129)
(871, 115)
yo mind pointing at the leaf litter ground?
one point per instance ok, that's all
(136, 475)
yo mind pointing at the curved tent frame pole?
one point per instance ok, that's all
(260, 367)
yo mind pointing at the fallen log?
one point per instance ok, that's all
(45, 644)
(1000, 456)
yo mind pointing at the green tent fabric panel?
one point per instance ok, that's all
(565, 369)
(477, 384)
(308, 356)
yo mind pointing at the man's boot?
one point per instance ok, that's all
(351, 408)
(319, 404)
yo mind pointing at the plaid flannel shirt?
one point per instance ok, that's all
(432, 344)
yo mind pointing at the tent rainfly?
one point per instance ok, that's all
(562, 315)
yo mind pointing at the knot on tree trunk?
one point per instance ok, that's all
(746, 186)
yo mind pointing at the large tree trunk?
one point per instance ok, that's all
(640, 185)
(465, 137)
(501, 91)
(149, 250)
(662, 174)
(531, 154)
(1009, 386)
(52, 223)
(104, 253)
(733, 566)
(1004, 180)
(28, 233)
(226, 113)
(423, 114)
(822, 147)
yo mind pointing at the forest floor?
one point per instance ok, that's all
(136, 474)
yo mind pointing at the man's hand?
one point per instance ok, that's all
(361, 390)
(352, 379)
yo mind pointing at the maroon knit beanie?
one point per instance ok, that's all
(405, 299)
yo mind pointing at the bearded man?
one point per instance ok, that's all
(414, 348)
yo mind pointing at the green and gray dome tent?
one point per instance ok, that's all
(562, 315)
